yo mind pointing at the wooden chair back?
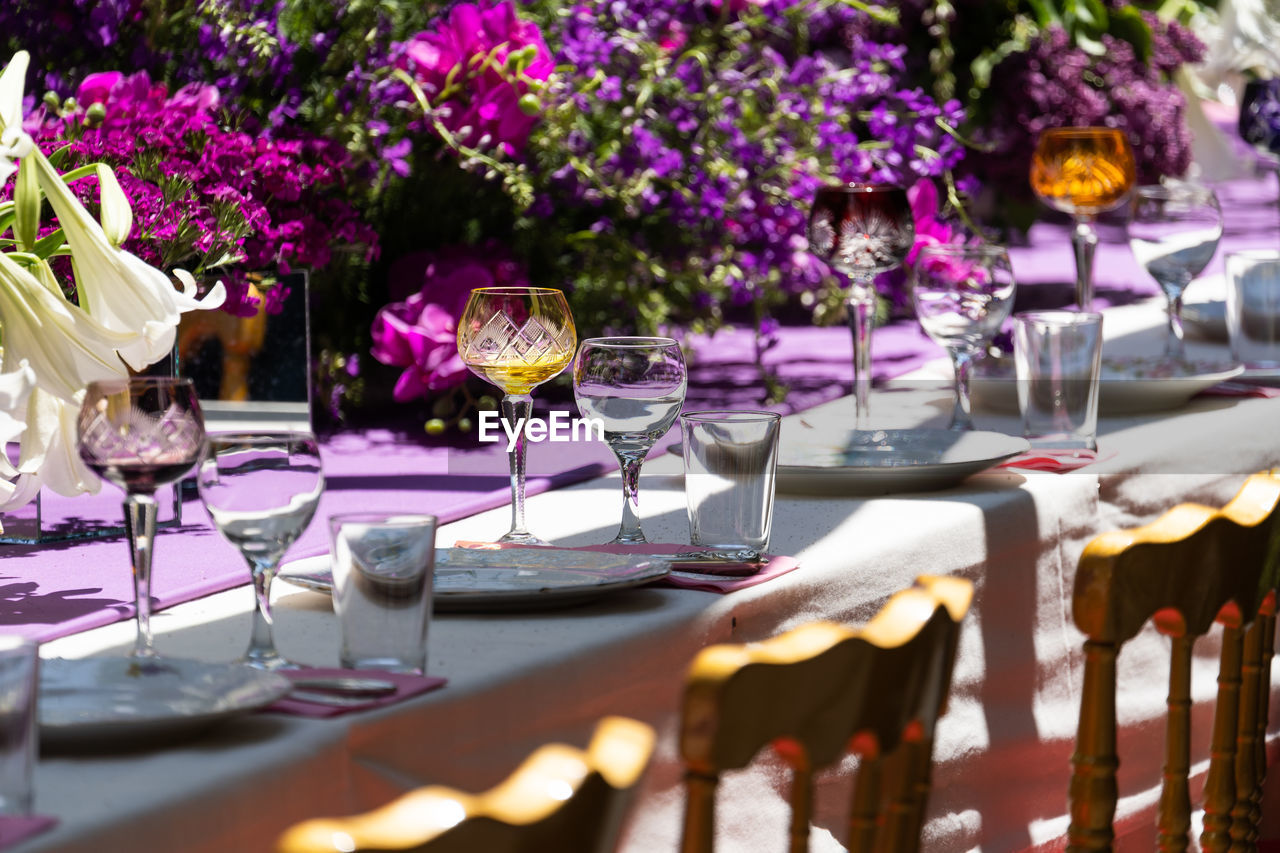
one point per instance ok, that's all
(819, 692)
(561, 798)
(1188, 568)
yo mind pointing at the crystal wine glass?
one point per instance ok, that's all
(261, 491)
(861, 230)
(1083, 171)
(636, 387)
(138, 434)
(962, 293)
(517, 338)
(1174, 231)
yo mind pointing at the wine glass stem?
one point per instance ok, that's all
(629, 530)
(1084, 239)
(262, 644)
(860, 309)
(1174, 347)
(140, 519)
(962, 361)
(516, 409)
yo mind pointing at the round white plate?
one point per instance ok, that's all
(1129, 385)
(476, 579)
(815, 461)
(106, 703)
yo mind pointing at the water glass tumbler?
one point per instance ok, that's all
(1253, 308)
(730, 468)
(19, 681)
(382, 580)
(1058, 355)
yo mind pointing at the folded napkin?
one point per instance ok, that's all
(1239, 389)
(718, 577)
(1057, 461)
(406, 685)
(17, 829)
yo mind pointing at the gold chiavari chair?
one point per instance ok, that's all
(819, 692)
(1188, 568)
(561, 798)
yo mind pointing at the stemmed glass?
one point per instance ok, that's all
(1174, 231)
(861, 230)
(635, 386)
(261, 490)
(517, 338)
(962, 293)
(140, 433)
(1083, 171)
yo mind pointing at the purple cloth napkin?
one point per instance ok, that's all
(406, 686)
(775, 567)
(16, 829)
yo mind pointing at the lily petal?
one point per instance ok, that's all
(51, 447)
(119, 290)
(65, 347)
(14, 141)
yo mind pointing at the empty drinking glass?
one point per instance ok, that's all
(635, 387)
(1058, 355)
(1174, 231)
(730, 469)
(382, 580)
(19, 679)
(962, 293)
(1253, 308)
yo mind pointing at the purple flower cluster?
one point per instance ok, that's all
(697, 134)
(1055, 84)
(474, 67)
(205, 197)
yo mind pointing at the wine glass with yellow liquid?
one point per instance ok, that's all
(1083, 171)
(517, 338)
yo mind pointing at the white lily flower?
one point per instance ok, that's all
(50, 450)
(118, 289)
(66, 348)
(14, 141)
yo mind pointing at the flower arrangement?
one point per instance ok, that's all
(124, 315)
(655, 158)
(206, 198)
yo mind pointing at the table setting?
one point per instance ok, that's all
(338, 612)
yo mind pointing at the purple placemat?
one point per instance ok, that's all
(16, 829)
(407, 685)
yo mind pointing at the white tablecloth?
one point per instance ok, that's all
(516, 681)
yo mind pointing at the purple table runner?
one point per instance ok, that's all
(48, 591)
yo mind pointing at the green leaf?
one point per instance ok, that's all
(26, 196)
(1127, 23)
(1091, 14)
(1046, 13)
(47, 245)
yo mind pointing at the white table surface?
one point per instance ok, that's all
(516, 681)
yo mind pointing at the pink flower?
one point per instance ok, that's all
(420, 332)
(96, 88)
(923, 196)
(483, 106)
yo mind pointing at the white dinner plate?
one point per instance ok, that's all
(111, 703)
(476, 579)
(1129, 385)
(812, 460)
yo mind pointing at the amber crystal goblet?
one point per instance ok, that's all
(1083, 171)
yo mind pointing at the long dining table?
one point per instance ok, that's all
(520, 679)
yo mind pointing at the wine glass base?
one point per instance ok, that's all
(523, 538)
(268, 662)
(630, 539)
